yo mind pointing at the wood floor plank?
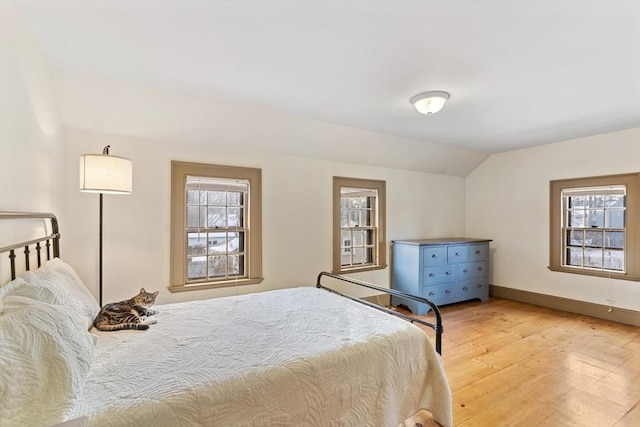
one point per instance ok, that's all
(515, 364)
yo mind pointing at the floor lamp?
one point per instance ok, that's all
(105, 174)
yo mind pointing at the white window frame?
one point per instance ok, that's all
(591, 216)
(559, 225)
(249, 251)
(351, 254)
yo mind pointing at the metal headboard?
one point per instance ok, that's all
(51, 246)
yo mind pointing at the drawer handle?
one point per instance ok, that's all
(431, 293)
(478, 252)
(432, 274)
(448, 291)
(466, 288)
(479, 285)
(447, 273)
(434, 256)
(457, 253)
(479, 268)
(466, 270)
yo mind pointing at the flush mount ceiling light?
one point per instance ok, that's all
(429, 102)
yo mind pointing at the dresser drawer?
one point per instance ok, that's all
(440, 294)
(478, 252)
(457, 254)
(470, 270)
(438, 274)
(434, 255)
(472, 289)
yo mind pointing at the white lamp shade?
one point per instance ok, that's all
(430, 102)
(102, 173)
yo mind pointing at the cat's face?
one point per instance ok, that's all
(146, 299)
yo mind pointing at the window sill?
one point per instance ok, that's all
(604, 274)
(215, 285)
(359, 269)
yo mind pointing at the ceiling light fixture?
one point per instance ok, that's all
(429, 102)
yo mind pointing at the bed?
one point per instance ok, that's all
(306, 356)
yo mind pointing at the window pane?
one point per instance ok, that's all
(234, 198)
(368, 237)
(241, 240)
(576, 218)
(593, 258)
(576, 201)
(236, 265)
(203, 216)
(614, 218)
(614, 201)
(358, 256)
(595, 218)
(614, 239)
(196, 244)
(594, 201)
(354, 218)
(217, 197)
(233, 245)
(216, 217)
(614, 260)
(192, 197)
(576, 237)
(192, 216)
(365, 218)
(196, 267)
(368, 253)
(345, 257)
(218, 243)
(574, 256)
(203, 197)
(345, 237)
(234, 217)
(357, 238)
(593, 239)
(217, 266)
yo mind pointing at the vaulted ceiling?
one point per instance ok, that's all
(520, 73)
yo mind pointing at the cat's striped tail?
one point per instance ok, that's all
(123, 326)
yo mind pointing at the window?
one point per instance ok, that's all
(215, 226)
(595, 226)
(358, 224)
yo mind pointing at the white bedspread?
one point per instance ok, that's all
(293, 357)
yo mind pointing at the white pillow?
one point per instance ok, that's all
(45, 358)
(55, 294)
(65, 285)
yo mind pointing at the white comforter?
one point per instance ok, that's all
(294, 357)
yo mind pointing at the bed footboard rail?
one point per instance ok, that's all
(52, 240)
(437, 327)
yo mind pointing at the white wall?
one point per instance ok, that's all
(507, 200)
(31, 143)
(30, 130)
(296, 214)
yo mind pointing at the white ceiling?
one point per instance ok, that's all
(520, 73)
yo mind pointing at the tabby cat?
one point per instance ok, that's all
(128, 314)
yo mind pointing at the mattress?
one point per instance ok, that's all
(291, 357)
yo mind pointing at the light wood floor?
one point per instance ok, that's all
(515, 364)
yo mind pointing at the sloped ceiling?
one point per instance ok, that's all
(520, 73)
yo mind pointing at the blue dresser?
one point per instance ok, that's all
(442, 270)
